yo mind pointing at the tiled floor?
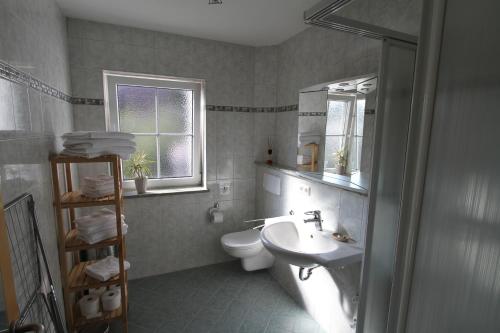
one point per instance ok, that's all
(217, 299)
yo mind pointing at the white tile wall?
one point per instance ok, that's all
(33, 39)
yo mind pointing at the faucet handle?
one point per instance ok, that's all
(316, 213)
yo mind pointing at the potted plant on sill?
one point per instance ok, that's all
(341, 161)
(138, 168)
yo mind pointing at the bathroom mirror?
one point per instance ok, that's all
(335, 131)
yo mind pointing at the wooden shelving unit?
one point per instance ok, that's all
(313, 166)
(75, 281)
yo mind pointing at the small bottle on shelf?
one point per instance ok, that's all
(269, 151)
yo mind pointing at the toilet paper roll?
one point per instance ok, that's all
(97, 291)
(89, 306)
(216, 216)
(111, 300)
(115, 287)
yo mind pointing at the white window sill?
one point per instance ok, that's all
(128, 194)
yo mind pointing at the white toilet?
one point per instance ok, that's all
(247, 246)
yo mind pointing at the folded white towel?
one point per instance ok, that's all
(123, 152)
(100, 212)
(96, 237)
(96, 228)
(98, 180)
(97, 193)
(105, 269)
(108, 150)
(102, 217)
(97, 135)
(97, 143)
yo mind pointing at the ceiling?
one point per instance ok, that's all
(248, 22)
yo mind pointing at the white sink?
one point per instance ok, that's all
(305, 248)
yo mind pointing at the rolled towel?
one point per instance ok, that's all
(97, 135)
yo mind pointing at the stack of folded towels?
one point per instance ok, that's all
(105, 269)
(98, 226)
(99, 186)
(94, 144)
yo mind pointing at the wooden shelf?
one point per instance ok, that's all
(73, 274)
(107, 316)
(72, 243)
(78, 280)
(76, 199)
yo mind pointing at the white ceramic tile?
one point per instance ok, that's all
(21, 109)
(244, 167)
(224, 166)
(8, 124)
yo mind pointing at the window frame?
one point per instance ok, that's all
(111, 79)
(346, 136)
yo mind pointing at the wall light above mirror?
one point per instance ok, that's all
(335, 132)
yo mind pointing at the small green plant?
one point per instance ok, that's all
(341, 158)
(138, 165)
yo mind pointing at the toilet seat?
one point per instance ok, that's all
(243, 240)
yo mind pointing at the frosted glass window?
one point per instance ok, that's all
(166, 116)
(332, 145)
(175, 156)
(175, 111)
(137, 109)
(336, 117)
(157, 116)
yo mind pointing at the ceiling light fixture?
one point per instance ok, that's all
(215, 2)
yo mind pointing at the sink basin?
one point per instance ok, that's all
(306, 248)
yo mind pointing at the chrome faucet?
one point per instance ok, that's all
(316, 219)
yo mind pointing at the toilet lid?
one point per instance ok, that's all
(242, 238)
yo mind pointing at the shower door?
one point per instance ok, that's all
(394, 102)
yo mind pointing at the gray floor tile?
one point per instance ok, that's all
(217, 299)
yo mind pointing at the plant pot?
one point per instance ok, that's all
(341, 170)
(141, 185)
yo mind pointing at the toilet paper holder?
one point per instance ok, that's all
(214, 208)
(215, 215)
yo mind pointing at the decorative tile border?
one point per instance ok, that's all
(252, 109)
(13, 74)
(287, 108)
(312, 114)
(315, 114)
(87, 101)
